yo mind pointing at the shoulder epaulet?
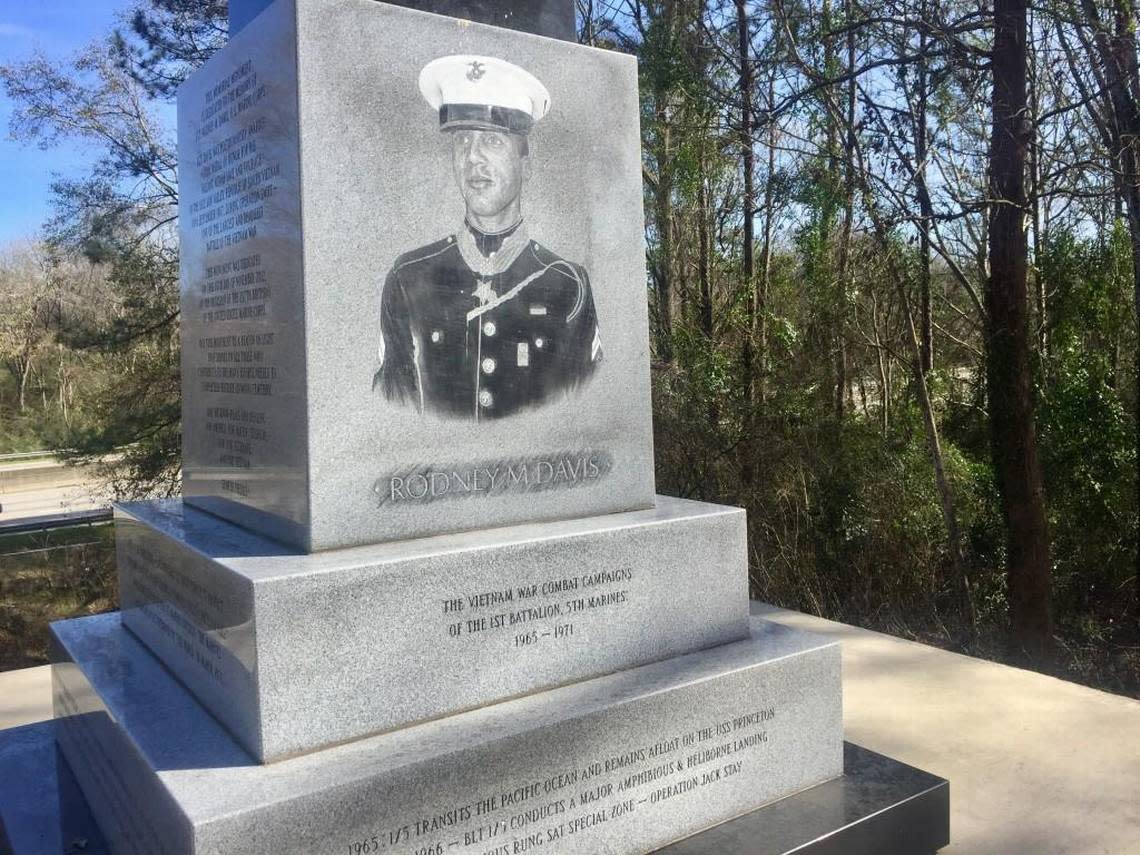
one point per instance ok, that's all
(555, 262)
(544, 255)
(424, 253)
(574, 273)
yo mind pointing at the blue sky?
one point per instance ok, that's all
(58, 29)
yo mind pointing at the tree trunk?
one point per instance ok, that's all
(766, 252)
(748, 201)
(1009, 382)
(922, 392)
(1125, 78)
(664, 213)
(1126, 30)
(828, 214)
(748, 240)
(663, 203)
(1041, 320)
(844, 271)
(884, 374)
(25, 375)
(941, 481)
(704, 280)
(925, 208)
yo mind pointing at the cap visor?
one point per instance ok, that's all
(484, 117)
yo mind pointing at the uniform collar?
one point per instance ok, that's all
(489, 242)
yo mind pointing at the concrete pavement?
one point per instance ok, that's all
(40, 473)
(1036, 765)
(25, 696)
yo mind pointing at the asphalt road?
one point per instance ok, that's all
(53, 500)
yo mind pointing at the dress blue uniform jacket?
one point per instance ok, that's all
(459, 345)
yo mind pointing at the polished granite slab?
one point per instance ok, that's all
(878, 807)
(619, 764)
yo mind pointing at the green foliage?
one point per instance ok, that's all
(20, 432)
(1086, 425)
(169, 39)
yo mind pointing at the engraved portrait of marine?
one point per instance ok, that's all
(487, 321)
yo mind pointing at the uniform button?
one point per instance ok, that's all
(540, 343)
(436, 336)
(489, 366)
(489, 328)
(486, 399)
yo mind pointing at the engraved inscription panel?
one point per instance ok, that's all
(242, 303)
(364, 649)
(624, 764)
(553, 811)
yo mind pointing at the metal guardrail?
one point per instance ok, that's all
(25, 455)
(45, 523)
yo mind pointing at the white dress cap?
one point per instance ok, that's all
(483, 92)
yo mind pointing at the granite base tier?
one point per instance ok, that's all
(878, 807)
(293, 652)
(624, 763)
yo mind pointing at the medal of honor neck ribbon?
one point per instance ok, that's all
(485, 267)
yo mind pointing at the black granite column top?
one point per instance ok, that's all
(553, 18)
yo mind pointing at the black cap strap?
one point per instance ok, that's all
(485, 116)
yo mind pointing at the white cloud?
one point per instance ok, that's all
(15, 31)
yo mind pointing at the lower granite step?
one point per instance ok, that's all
(878, 807)
(624, 763)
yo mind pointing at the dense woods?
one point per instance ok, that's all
(893, 300)
(894, 284)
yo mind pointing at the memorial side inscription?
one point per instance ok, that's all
(97, 766)
(188, 604)
(196, 619)
(238, 179)
(235, 177)
(530, 815)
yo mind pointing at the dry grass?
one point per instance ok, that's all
(51, 576)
